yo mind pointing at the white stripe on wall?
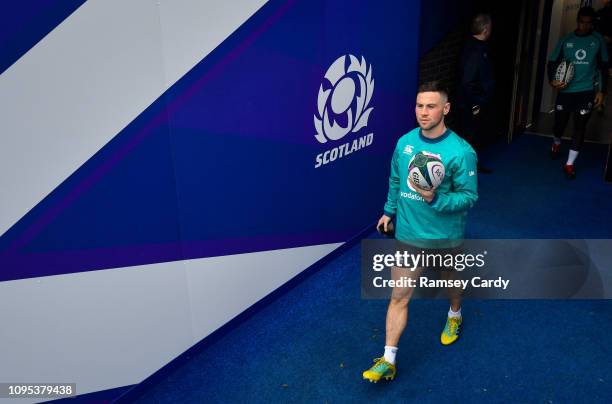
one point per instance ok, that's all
(91, 76)
(112, 328)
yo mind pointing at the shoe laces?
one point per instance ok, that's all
(452, 325)
(381, 365)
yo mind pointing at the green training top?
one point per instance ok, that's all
(441, 223)
(588, 53)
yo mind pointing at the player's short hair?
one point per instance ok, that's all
(434, 87)
(479, 23)
(586, 12)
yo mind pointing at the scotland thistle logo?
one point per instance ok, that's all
(344, 96)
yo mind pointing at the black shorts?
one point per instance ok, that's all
(429, 258)
(581, 102)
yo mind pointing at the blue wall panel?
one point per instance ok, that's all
(224, 161)
(244, 139)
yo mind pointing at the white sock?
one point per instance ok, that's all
(557, 140)
(454, 314)
(572, 157)
(390, 352)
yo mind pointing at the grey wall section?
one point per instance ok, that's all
(71, 93)
(106, 329)
(90, 77)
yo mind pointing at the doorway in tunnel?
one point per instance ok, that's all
(524, 34)
(534, 98)
(518, 45)
(519, 62)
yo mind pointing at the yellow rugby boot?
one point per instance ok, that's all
(451, 330)
(381, 369)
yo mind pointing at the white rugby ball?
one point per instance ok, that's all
(426, 170)
(564, 72)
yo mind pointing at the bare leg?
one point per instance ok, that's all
(454, 300)
(454, 294)
(397, 318)
(397, 312)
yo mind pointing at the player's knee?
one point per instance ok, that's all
(399, 302)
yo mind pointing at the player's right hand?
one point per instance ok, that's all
(383, 222)
(558, 84)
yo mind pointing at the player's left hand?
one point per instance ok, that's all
(599, 99)
(427, 195)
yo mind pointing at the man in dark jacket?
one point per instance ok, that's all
(477, 85)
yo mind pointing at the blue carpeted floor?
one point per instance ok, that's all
(312, 344)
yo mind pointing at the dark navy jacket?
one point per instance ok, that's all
(477, 79)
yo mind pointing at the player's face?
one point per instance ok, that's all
(431, 107)
(585, 25)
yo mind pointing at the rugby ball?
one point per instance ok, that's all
(564, 72)
(426, 170)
